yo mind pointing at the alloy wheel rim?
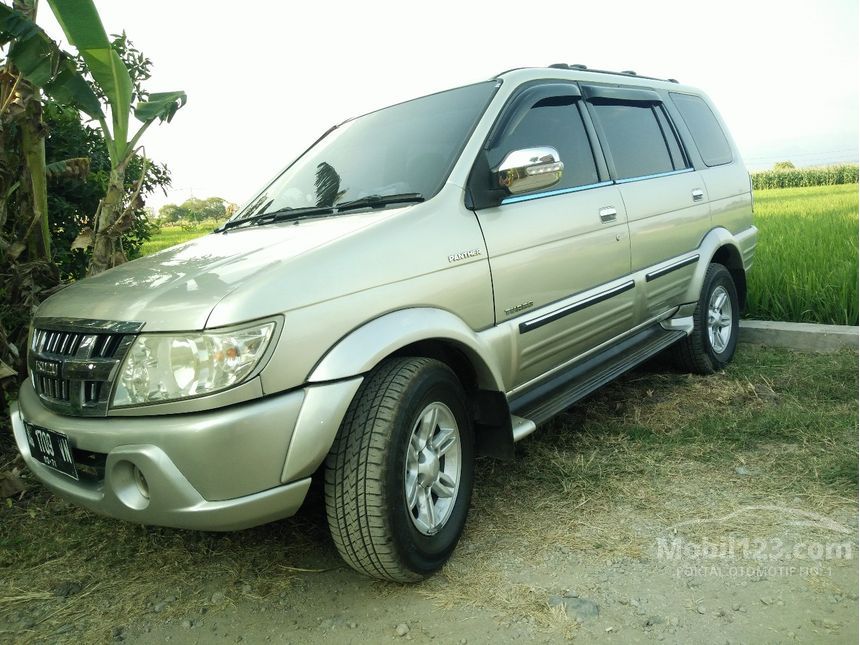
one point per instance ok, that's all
(433, 468)
(720, 319)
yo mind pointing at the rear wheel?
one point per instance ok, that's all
(398, 479)
(712, 344)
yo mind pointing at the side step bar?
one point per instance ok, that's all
(522, 427)
(543, 401)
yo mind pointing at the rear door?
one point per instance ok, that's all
(560, 257)
(725, 177)
(665, 197)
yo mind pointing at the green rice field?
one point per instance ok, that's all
(806, 261)
(169, 236)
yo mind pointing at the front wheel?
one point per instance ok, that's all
(711, 345)
(398, 479)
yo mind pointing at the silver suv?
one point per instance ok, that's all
(426, 284)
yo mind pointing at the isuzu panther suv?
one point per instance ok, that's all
(428, 283)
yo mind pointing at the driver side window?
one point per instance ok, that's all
(556, 122)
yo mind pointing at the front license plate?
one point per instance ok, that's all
(52, 449)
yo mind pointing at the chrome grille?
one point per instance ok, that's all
(63, 343)
(55, 388)
(73, 363)
(92, 390)
(60, 342)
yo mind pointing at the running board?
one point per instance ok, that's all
(543, 401)
(522, 428)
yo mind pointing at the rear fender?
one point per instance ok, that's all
(717, 241)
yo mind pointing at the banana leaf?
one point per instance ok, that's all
(83, 27)
(78, 167)
(160, 105)
(44, 64)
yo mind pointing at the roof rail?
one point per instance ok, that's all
(626, 72)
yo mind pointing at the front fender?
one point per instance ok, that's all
(362, 349)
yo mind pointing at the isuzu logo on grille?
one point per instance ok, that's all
(47, 368)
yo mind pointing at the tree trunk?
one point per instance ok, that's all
(33, 147)
(107, 252)
(33, 203)
(8, 179)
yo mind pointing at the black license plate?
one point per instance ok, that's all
(52, 449)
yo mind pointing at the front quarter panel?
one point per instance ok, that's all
(429, 257)
(364, 348)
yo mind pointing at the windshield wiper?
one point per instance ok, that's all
(376, 201)
(283, 214)
(279, 215)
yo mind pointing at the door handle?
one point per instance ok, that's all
(607, 214)
(698, 194)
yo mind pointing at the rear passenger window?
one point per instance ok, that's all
(706, 130)
(640, 138)
(554, 122)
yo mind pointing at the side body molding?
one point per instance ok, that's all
(363, 348)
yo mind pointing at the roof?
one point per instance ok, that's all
(582, 73)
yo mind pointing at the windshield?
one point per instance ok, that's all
(406, 149)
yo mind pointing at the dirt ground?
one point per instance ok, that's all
(638, 600)
(667, 508)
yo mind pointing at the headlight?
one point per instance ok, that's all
(166, 367)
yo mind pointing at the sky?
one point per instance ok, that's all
(265, 78)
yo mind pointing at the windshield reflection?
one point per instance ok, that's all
(327, 185)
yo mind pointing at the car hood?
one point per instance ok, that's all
(176, 289)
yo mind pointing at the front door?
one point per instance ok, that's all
(560, 257)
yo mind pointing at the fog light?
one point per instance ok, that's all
(140, 480)
(129, 484)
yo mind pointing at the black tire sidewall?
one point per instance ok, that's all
(421, 553)
(719, 276)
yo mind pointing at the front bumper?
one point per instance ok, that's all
(219, 470)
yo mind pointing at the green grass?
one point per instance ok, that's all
(169, 236)
(649, 450)
(806, 261)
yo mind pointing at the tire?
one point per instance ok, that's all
(381, 480)
(712, 344)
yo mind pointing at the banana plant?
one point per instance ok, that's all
(22, 127)
(84, 30)
(43, 64)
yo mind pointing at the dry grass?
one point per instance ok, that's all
(652, 451)
(649, 452)
(124, 571)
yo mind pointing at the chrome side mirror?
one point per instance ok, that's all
(529, 169)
